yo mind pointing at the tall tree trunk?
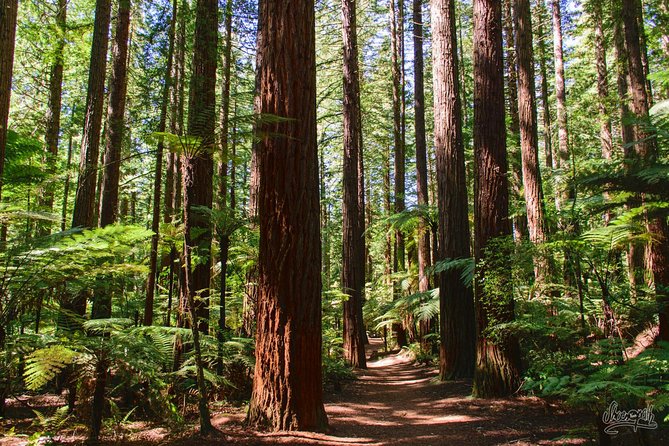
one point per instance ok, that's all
(84, 204)
(109, 188)
(397, 62)
(115, 118)
(158, 179)
(497, 369)
(635, 252)
(520, 218)
(605, 135)
(9, 9)
(197, 163)
(353, 242)
(545, 108)
(424, 249)
(287, 388)
(224, 229)
(529, 142)
(53, 112)
(456, 314)
(561, 96)
(646, 151)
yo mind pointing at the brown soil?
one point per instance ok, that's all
(394, 402)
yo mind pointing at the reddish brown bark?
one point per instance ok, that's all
(457, 351)
(115, 118)
(84, 204)
(9, 10)
(605, 136)
(497, 369)
(353, 244)
(424, 249)
(560, 90)
(529, 142)
(545, 109)
(646, 151)
(287, 388)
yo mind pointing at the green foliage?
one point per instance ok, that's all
(335, 373)
(45, 364)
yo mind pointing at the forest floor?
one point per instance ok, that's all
(393, 402)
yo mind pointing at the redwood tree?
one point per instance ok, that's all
(497, 369)
(115, 117)
(197, 164)
(287, 387)
(456, 315)
(353, 242)
(529, 142)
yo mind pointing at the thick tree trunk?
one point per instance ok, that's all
(456, 315)
(646, 151)
(353, 244)
(158, 179)
(115, 118)
(424, 249)
(66, 186)
(84, 205)
(287, 387)
(197, 163)
(8, 14)
(53, 112)
(529, 141)
(497, 371)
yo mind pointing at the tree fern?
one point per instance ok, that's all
(44, 364)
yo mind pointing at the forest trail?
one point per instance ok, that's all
(395, 402)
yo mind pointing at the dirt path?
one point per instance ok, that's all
(397, 403)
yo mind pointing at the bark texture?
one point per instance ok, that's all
(457, 351)
(353, 242)
(497, 369)
(84, 204)
(287, 389)
(115, 118)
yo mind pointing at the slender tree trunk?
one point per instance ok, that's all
(520, 218)
(353, 242)
(546, 112)
(497, 370)
(605, 135)
(9, 9)
(66, 186)
(53, 112)
(223, 229)
(287, 388)
(561, 96)
(397, 62)
(456, 315)
(529, 141)
(424, 249)
(197, 163)
(158, 179)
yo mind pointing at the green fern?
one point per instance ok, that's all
(44, 364)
